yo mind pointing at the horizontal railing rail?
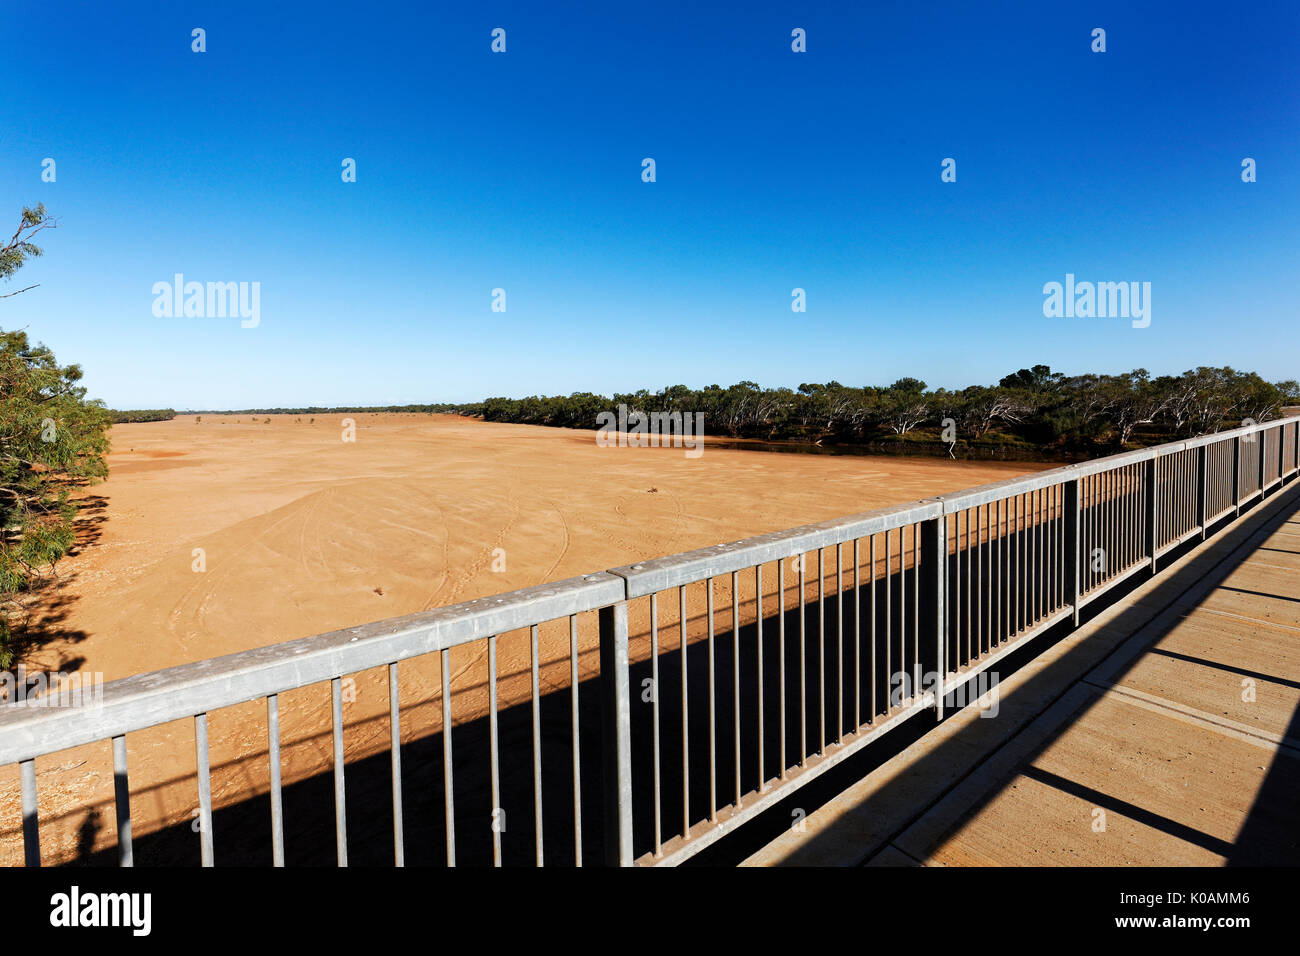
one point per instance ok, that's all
(688, 567)
(769, 661)
(29, 729)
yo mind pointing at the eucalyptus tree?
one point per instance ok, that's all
(52, 443)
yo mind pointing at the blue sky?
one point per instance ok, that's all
(522, 171)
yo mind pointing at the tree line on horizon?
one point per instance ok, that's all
(1037, 407)
(330, 409)
(120, 416)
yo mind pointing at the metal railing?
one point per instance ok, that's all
(728, 677)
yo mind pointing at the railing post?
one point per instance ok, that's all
(1202, 488)
(1073, 565)
(122, 802)
(31, 828)
(1261, 441)
(1153, 509)
(616, 734)
(934, 620)
(1280, 443)
(1281, 447)
(1236, 474)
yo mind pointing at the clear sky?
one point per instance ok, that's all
(522, 171)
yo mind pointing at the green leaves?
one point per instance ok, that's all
(52, 440)
(20, 248)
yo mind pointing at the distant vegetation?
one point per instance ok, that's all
(143, 415)
(167, 414)
(321, 410)
(1032, 410)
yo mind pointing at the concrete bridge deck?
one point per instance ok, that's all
(1166, 731)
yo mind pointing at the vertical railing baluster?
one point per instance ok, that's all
(340, 795)
(1072, 547)
(903, 666)
(1018, 621)
(1006, 600)
(1115, 556)
(686, 737)
(122, 802)
(616, 734)
(955, 604)
(1261, 446)
(1114, 559)
(1044, 573)
(448, 782)
(839, 641)
(933, 556)
(1136, 524)
(803, 659)
(1153, 511)
(713, 714)
(654, 718)
(1236, 474)
(735, 676)
(972, 620)
(1132, 517)
(1035, 555)
(1015, 547)
(1085, 533)
(577, 756)
(31, 825)
(872, 643)
(1112, 526)
(917, 667)
(277, 801)
(205, 788)
(494, 751)
(395, 748)
(535, 658)
(780, 640)
(1056, 599)
(758, 640)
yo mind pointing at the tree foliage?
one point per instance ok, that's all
(1052, 411)
(20, 248)
(52, 441)
(118, 416)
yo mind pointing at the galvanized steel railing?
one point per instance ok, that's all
(730, 676)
